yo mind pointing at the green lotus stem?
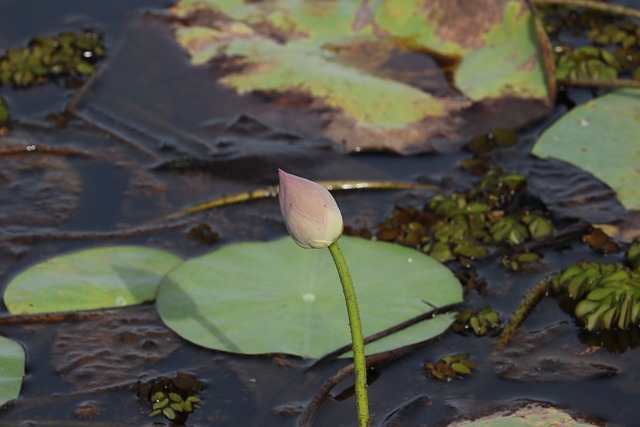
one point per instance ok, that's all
(359, 362)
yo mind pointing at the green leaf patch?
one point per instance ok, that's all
(601, 137)
(274, 297)
(106, 277)
(12, 360)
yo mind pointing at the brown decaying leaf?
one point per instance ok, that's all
(627, 229)
(598, 239)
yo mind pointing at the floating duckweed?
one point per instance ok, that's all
(509, 230)
(441, 252)
(157, 397)
(462, 225)
(169, 414)
(161, 404)
(538, 226)
(628, 60)
(587, 62)
(178, 407)
(469, 250)
(486, 142)
(450, 367)
(480, 321)
(625, 34)
(174, 398)
(607, 295)
(520, 260)
(46, 58)
(633, 255)
(556, 18)
(593, 62)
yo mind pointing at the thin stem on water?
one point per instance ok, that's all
(360, 366)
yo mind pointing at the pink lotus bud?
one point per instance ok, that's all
(310, 212)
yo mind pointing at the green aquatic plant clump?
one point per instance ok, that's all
(607, 295)
(587, 62)
(174, 398)
(480, 321)
(464, 224)
(633, 255)
(47, 58)
(450, 367)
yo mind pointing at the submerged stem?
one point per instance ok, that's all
(360, 367)
(264, 193)
(528, 302)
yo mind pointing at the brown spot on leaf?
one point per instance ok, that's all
(529, 64)
(464, 22)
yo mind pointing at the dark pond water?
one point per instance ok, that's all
(164, 136)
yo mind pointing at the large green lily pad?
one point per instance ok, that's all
(385, 75)
(601, 137)
(274, 297)
(96, 278)
(12, 360)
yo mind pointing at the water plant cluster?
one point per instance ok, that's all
(48, 58)
(464, 225)
(480, 320)
(174, 398)
(586, 62)
(615, 49)
(450, 367)
(607, 296)
(625, 34)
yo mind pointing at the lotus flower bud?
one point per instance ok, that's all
(310, 212)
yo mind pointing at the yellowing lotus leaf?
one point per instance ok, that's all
(405, 76)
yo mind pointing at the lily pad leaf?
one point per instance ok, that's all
(530, 416)
(274, 297)
(601, 137)
(12, 360)
(383, 75)
(90, 279)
